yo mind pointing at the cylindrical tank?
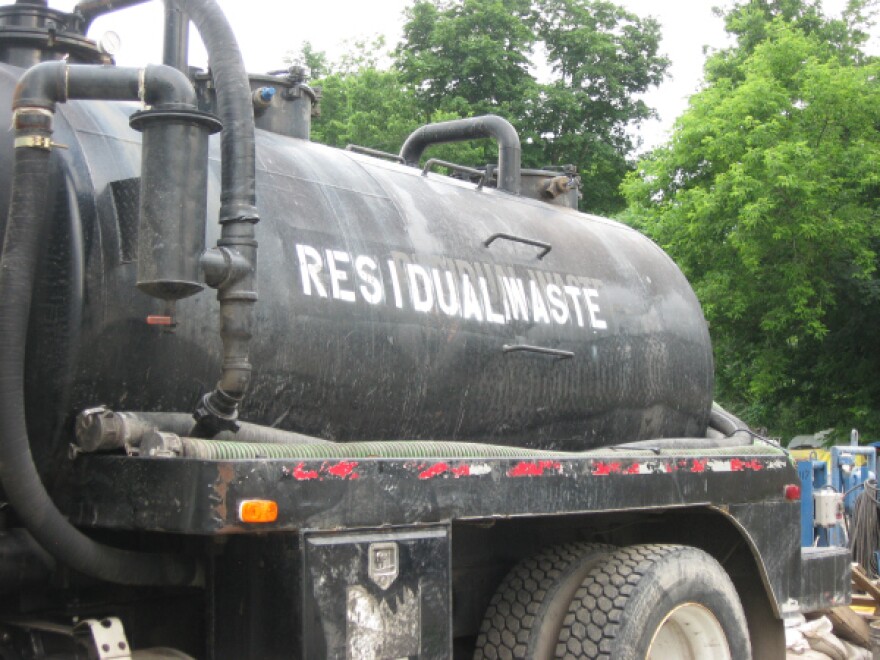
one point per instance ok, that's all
(392, 305)
(32, 33)
(283, 103)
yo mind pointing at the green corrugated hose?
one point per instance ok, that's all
(228, 450)
(224, 449)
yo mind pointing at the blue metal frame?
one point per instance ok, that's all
(843, 480)
(813, 475)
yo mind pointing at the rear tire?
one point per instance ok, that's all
(655, 602)
(526, 613)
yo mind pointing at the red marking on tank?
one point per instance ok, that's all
(434, 471)
(304, 475)
(344, 470)
(461, 471)
(601, 469)
(526, 469)
(738, 465)
(698, 465)
(633, 469)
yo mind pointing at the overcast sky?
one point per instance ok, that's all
(268, 28)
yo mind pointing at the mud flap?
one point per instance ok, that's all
(825, 578)
(378, 594)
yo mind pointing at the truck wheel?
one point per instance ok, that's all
(526, 612)
(655, 602)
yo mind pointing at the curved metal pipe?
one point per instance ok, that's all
(50, 83)
(457, 130)
(89, 10)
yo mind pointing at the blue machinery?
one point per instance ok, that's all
(845, 477)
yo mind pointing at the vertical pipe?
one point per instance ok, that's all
(175, 49)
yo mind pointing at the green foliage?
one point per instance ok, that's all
(472, 54)
(768, 196)
(470, 57)
(603, 59)
(314, 60)
(369, 107)
(751, 23)
(461, 58)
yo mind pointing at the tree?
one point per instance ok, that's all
(368, 105)
(315, 61)
(469, 57)
(768, 196)
(750, 22)
(603, 58)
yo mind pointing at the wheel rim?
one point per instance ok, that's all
(689, 632)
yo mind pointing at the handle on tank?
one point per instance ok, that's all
(541, 350)
(457, 130)
(545, 247)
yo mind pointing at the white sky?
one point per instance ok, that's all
(266, 29)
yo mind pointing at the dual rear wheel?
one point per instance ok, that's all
(583, 600)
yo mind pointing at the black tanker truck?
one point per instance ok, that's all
(420, 416)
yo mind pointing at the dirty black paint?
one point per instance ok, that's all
(350, 369)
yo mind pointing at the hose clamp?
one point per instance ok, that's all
(37, 142)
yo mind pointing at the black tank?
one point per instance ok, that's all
(391, 305)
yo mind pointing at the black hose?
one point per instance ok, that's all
(21, 481)
(40, 88)
(235, 108)
(865, 535)
(21, 248)
(218, 410)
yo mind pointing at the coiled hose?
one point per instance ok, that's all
(865, 528)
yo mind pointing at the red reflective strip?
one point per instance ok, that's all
(159, 320)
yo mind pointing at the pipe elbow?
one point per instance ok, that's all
(42, 86)
(500, 129)
(166, 86)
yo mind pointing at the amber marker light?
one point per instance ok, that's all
(258, 511)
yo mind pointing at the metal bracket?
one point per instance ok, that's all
(373, 152)
(479, 174)
(107, 637)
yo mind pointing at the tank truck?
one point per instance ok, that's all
(263, 398)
